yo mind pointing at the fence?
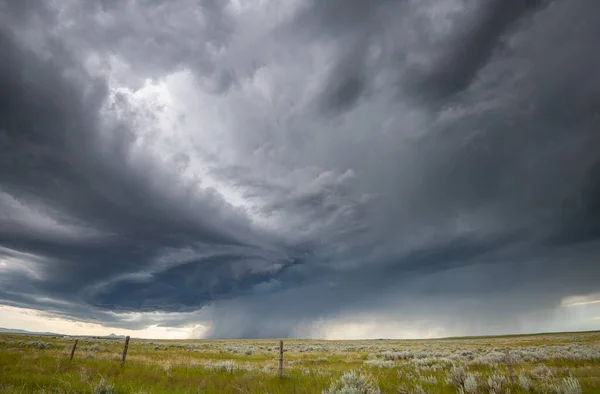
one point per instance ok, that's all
(126, 347)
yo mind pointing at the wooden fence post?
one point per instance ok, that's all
(125, 350)
(73, 350)
(280, 359)
(510, 367)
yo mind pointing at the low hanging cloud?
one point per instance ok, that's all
(288, 169)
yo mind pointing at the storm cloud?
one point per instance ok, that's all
(267, 168)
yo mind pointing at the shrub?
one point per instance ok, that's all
(39, 345)
(393, 356)
(380, 363)
(497, 383)
(103, 388)
(525, 382)
(353, 383)
(491, 358)
(530, 355)
(566, 386)
(419, 390)
(456, 377)
(410, 376)
(571, 385)
(470, 384)
(226, 366)
(541, 372)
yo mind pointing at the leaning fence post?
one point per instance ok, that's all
(510, 367)
(125, 350)
(73, 350)
(280, 359)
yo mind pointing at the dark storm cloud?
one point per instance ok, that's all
(353, 25)
(347, 81)
(339, 19)
(49, 161)
(320, 160)
(474, 45)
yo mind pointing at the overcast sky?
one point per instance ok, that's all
(314, 168)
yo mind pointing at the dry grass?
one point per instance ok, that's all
(551, 363)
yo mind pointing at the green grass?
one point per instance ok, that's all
(40, 364)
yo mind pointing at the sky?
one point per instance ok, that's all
(333, 169)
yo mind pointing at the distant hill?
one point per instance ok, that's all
(113, 336)
(16, 331)
(25, 332)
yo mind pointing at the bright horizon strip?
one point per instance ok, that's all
(583, 303)
(36, 321)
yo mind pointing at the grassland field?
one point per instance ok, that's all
(562, 363)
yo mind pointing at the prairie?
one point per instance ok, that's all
(543, 363)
